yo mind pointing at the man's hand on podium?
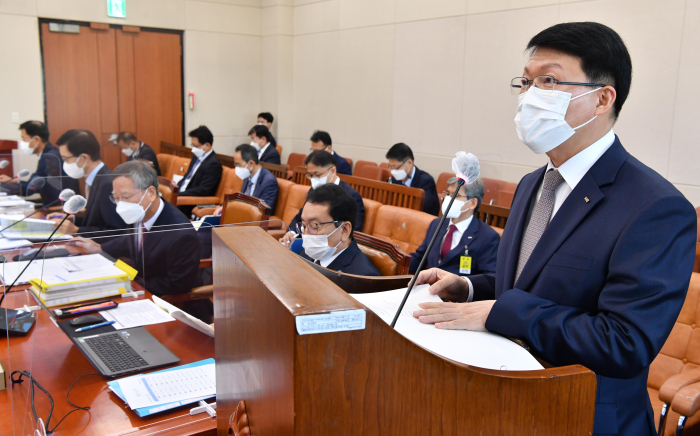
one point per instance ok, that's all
(455, 316)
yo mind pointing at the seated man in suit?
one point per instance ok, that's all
(162, 246)
(49, 179)
(321, 167)
(327, 225)
(404, 172)
(465, 245)
(204, 173)
(80, 151)
(257, 181)
(135, 149)
(594, 263)
(321, 140)
(261, 139)
(266, 119)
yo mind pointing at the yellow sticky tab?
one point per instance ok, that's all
(465, 265)
(127, 269)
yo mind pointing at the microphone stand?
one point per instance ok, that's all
(460, 183)
(31, 214)
(33, 257)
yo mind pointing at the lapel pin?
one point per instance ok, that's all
(586, 198)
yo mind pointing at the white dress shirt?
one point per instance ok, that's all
(91, 177)
(461, 227)
(262, 150)
(148, 224)
(198, 164)
(410, 179)
(329, 259)
(572, 171)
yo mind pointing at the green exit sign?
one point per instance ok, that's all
(116, 8)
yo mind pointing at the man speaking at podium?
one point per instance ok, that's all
(595, 261)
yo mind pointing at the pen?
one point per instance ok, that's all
(102, 324)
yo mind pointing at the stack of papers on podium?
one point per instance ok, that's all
(482, 349)
(136, 314)
(163, 390)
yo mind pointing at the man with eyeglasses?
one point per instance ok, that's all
(465, 246)
(595, 260)
(327, 227)
(404, 172)
(80, 151)
(258, 182)
(321, 170)
(162, 245)
(321, 140)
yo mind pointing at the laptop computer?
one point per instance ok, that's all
(120, 352)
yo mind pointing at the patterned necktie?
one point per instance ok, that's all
(539, 220)
(447, 245)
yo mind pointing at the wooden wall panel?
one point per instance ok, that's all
(109, 98)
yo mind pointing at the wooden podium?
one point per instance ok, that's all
(273, 381)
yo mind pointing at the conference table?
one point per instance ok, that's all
(55, 363)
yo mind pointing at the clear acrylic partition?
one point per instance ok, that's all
(45, 350)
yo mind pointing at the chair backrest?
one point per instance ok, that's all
(241, 208)
(229, 184)
(167, 189)
(441, 184)
(175, 149)
(368, 172)
(296, 159)
(164, 161)
(404, 227)
(226, 160)
(178, 166)
(279, 171)
(506, 195)
(386, 193)
(371, 208)
(495, 216)
(498, 230)
(295, 201)
(492, 189)
(279, 149)
(385, 256)
(283, 187)
(300, 176)
(349, 161)
(384, 165)
(363, 163)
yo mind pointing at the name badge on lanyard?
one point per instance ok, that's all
(465, 262)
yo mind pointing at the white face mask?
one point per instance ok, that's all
(242, 172)
(455, 210)
(255, 144)
(127, 151)
(319, 181)
(197, 152)
(316, 246)
(132, 212)
(25, 148)
(73, 170)
(540, 121)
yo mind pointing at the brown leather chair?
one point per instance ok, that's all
(282, 194)
(384, 165)
(371, 208)
(178, 167)
(164, 162)
(385, 256)
(404, 227)
(295, 201)
(674, 376)
(294, 160)
(441, 184)
(229, 184)
(241, 208)
(362, 163)
(349, 161)
(492, 188)
(505, 197)
(167, 189)
(279, 149)
(369, 172)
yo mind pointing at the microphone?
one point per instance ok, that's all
(74, 205)
(35, 184)
(65, 195)
(24, 173)
(466, 167)
(4, 163)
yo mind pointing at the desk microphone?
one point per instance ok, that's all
(466, 168)
(24, 173)
(74, 205)
(65, 195)
(4, 163)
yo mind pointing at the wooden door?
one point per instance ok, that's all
(108, 79)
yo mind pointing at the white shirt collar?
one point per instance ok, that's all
(578, 165)
(91, 177)
(337, 180)
(137, 151)
(206, 155)
(410, 179)
(328, 260)
(148, 224)
(462, 225)
(254, 178)
(262, 150)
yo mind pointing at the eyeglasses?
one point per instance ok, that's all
(316, 175)
(115, 200)
(313, 228)
(521, 84)
(311, 149)
(448, 194)
(398, 167)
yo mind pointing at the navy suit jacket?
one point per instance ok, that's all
(605, 283)
(350, 261)
(50, 167)
(425, 182)
(170, 258)
(342, 166)
(481, 239)
(146, 153)
(100, 213)
(360, 209)
(271, 155)
(265, 189)
(206, 180)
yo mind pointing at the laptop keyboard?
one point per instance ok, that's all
(115, 352)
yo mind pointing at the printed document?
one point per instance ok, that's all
(136, 314)
(169, 386)
(482, 349)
